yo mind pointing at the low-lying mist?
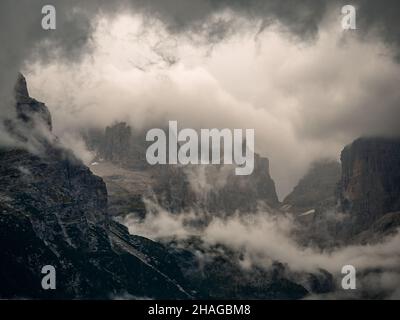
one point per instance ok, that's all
(262, 238)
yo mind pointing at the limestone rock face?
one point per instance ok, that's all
(358, 202)
(21, 89)
(29, 109)
(118, 144)
(246, 193)
(370, 184)
(317, 188)
(312, 203)
(53, 211)
(208, 188)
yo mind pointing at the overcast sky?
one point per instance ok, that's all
(284, 68)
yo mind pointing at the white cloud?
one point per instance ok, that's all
(305, 100)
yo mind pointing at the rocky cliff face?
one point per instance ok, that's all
(312, 203)
(210, 188)
(247, 193)
(316, 190)
(53, 211)
(370, 184)
(118, 144)
(215, 189)
(359, 202)
(28, 109)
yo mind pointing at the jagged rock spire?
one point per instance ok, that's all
(27, 107)
(20, 86)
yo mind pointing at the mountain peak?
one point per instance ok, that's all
(28, 109)
(21, 88)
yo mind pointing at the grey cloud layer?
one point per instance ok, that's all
(23, 39)
(21, 32)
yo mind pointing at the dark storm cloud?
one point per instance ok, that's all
(380, 15)
(299, 17)
(21, 32)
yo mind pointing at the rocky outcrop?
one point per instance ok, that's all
(28, 109)
(219, 273)
(118, 144)
(362, 207)
(370, 184)
(312, 204)
(247, 193)
(214, 189)
(53, 211)
(232, 193)
(316, 190)
(382, 228)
